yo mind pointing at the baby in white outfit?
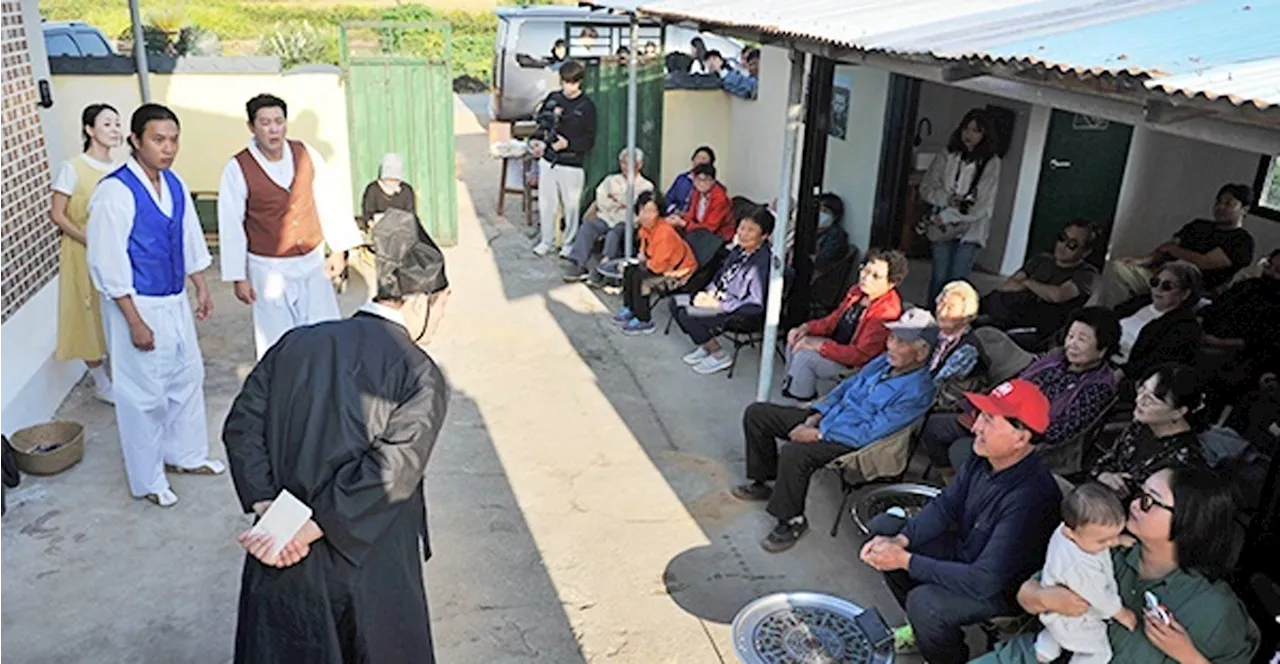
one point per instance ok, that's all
(1079, 558)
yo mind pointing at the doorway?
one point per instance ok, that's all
(1083, 165)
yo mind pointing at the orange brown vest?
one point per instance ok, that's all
(280, 222)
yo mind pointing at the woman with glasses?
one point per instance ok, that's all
(1182, 549)
(1166, 421)
(1161, 326)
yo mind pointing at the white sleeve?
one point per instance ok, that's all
(932, 189)
(64, 181)
(195, 251)
(233, 245)
(337, 218)
(110, 223)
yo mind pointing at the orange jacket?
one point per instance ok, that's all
(869, 338)
(665, 252)
(719, 215)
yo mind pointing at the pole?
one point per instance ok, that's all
(773, 303)
(633, 54)
(140, 51)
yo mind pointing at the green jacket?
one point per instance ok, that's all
(1210, 612)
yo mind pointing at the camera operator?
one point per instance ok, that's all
(566, 131)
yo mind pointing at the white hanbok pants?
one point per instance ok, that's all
(291, 292)
(159, 393)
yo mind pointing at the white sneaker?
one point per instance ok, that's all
(566, 251)
(206, 467)
(542, 249)
(166, 498)
(713, 363)
(103, 394)
(699, 354)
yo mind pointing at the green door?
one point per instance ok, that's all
(400, 99)
(1084, 160)
(606, 84)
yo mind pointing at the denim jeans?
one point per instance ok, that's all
(951, 261)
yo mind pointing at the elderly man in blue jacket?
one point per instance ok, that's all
(961, 559)
(888, 394)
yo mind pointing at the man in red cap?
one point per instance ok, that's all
(961, 559)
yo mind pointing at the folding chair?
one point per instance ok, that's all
(882, 462)
(1064, 460)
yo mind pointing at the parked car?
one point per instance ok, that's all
(75, 39)
(526, 35)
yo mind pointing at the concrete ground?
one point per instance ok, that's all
(578, 496)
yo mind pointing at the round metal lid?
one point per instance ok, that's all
(803, 628)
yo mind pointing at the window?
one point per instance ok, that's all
(60, 43)
(92, 43)
(1267, 184)
(533, 46)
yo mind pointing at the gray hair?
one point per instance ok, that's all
(1188, 276)
(639, 155)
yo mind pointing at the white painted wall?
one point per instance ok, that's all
(1170, 180)
(853, 164)
(757, 130)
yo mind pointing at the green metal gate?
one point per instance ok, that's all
(400, 99)
(606, 84)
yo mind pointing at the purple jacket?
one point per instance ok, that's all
(1069, 412)
(743, 280)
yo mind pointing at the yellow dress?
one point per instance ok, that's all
(80, 334)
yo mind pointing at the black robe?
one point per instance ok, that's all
(344, 415)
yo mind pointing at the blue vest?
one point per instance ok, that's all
(155, 243)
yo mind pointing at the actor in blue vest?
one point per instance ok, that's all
(144, 241)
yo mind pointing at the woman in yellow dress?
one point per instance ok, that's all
(80, 333)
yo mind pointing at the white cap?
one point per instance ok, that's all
(391, 168)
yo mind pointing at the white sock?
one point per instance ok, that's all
(100, 378)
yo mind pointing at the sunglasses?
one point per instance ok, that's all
(1159, 284)
(1146, 501)
(1072, 243)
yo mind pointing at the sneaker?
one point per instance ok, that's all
(103, 394)
(904, 641)
(699, 354)
(565, 251)
(166, 498)
(542, 249)
(713, 363)
(206, 467)
(785, 535)
(574, 273)
(752, 492)
(623, 316)
(636, 326)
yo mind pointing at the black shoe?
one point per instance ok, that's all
(785, 535)
(786, 392)
(574, 272)
(755, 491)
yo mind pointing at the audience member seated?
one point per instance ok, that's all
(960, 560)
(1181, 556)
(1220, 248)
(849, 337)
(1076, 378)
(1160, 327)
(709, 206)
(958, 363)
(831, 257)
(610, 220)
(1043, 293)
(1242, 325)
(681, 190)
(738, 290)
(887, 395)
(1166, 420)
(389, 191)
(665, 262)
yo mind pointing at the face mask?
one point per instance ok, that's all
(825, 219)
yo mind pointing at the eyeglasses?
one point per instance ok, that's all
(1146, 501)
(1159, 284)
(1071, 242)
(870, 271)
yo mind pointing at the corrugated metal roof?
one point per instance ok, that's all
(1214, 48)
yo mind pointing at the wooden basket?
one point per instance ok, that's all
(62, 443)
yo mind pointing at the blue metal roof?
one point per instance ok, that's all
(1215, 48)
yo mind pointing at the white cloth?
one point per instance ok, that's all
(1131, 328)
(337, 217)
(948, 176)
(159, 393)
(65, 180)
(290, 292)
(383, 311)
(559, 186)
(611, 197)
(1092, 577)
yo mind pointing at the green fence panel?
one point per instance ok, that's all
(404, 104)
(606, 83)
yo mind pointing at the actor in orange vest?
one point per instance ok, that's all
(278, 207)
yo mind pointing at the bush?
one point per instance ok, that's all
(300, 44)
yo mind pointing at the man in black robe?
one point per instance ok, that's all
(344, 414)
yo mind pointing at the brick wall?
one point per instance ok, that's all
(29, 258)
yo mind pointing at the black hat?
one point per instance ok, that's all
(408, 261)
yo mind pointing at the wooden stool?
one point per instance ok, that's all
(525, 190)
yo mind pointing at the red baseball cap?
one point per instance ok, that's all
(1018, 399)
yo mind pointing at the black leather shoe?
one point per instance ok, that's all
(754, 491)
(785, 535)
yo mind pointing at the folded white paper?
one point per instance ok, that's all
(282, 521)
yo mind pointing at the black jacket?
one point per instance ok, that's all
(1174, 337)
(576, 123)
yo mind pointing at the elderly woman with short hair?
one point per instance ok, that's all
(958, 363)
